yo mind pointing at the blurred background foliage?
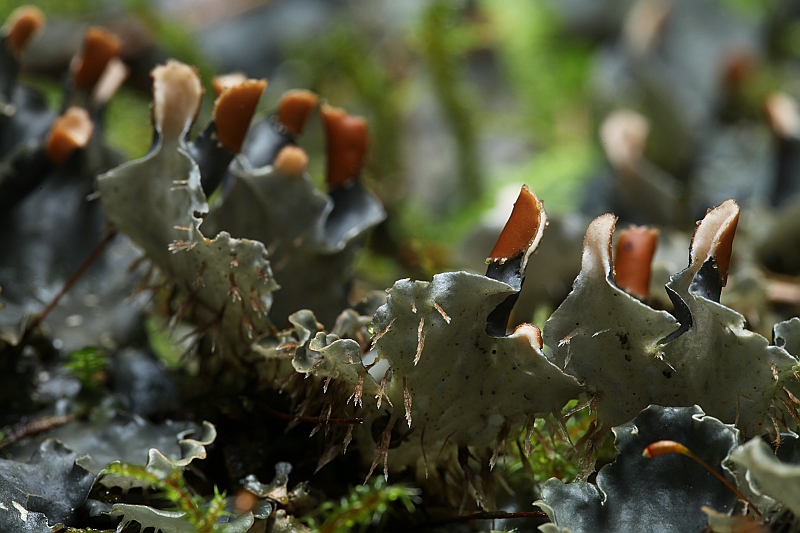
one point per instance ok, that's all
(469, 99)
(461, 97)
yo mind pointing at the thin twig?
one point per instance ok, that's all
(74, 279)
(496, 515)
(312, 419)
(39, 425)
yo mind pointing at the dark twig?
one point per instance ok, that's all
(312, 419)
(495, 515)
(74, 279)
(38, 425)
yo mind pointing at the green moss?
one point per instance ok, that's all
(88, 365)
(365, 505)
(199, 513)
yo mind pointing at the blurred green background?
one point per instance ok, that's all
(465, 99)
